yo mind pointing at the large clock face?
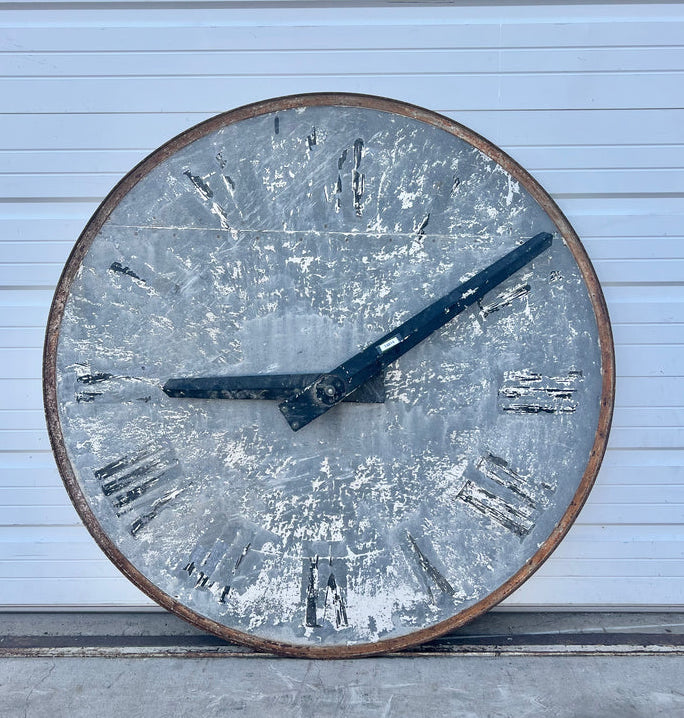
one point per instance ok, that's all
(268, 246)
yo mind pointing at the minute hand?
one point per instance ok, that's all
(327, 390)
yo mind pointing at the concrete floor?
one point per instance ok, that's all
(504, 664)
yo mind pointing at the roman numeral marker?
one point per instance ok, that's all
(225, 556)
(119, 268)
(207, 195)
(335, 192)
(505, 299)
(140, 483)
(527, 392)
(324, 578)
(106, 387)
(490, 504)
(504, 495)
(311, 578)
(429, 574)
(333, 597)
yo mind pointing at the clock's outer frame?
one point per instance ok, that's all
(275, 105)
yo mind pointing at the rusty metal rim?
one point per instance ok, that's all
(280, 104)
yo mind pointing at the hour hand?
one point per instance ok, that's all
(275, 387)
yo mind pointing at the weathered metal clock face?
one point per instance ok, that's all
(266, 247)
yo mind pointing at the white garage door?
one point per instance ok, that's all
(590, 98)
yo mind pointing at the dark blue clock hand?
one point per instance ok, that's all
(327, 390)
(275, 387)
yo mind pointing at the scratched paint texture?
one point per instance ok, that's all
(286, 243)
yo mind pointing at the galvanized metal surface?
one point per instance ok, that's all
(219, 251)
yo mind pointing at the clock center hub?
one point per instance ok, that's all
(329, 389)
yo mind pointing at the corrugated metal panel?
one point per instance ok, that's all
(588, 98)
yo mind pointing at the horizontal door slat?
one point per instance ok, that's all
(598, 591)
(114, 591)
(421, 60)
(598, 568)
(263, 30)
(142, 132)
(648, 90)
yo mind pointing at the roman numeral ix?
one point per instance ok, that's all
(142, 484)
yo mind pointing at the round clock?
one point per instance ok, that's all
(328, 375)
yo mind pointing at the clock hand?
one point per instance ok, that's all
(265, 386)
(327, 390)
